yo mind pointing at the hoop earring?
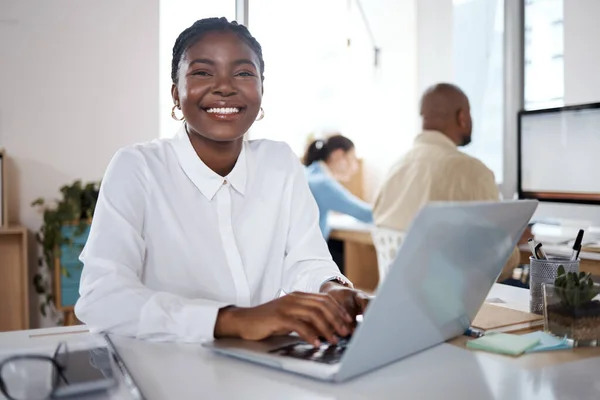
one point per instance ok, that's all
(175, 116)
(261, 115)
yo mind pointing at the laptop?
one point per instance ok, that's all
(443, 271)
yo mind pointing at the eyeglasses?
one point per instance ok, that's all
(33, 376)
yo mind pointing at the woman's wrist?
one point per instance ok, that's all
(330, 285)
(334, 283)
(227, 324)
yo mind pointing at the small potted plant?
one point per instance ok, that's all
(571, 309)
(64, 230)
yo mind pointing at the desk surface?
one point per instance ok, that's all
(186, 371)
(348, 223)
(347, 228)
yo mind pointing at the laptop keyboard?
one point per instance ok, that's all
(326, 353)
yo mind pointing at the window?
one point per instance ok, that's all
(305, 60)
(478, 39)
(175, 16)
(322, 72)
(544, 50)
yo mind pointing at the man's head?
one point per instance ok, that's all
(445, 108)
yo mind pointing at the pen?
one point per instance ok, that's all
(577, 245)
(472, 332)
(542, 254)
(531, 244)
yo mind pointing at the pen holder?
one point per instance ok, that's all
(545, 271)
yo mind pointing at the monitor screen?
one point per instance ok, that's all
(559, 154)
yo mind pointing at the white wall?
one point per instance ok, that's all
(582, 51)
(435, 57)
(389, 113)
(78, 80)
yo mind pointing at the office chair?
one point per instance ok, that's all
(386, 241)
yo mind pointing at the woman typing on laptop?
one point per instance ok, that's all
(195, 237)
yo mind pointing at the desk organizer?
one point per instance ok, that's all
(545, 271)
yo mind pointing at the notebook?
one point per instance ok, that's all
(547, 342)
(494, 318)
(504, 343)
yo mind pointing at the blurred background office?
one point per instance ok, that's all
(81, 79)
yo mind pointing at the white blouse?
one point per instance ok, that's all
(172, 242)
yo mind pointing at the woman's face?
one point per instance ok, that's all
(219, 86)
(343, 164)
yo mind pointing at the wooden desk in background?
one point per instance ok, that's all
(360, 258)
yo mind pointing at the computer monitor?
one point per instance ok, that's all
(558, 152)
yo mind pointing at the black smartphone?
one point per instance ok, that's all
(87, 371)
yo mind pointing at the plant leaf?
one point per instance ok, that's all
(37, 202)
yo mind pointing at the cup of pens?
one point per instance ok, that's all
(544, 269)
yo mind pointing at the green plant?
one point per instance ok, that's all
(574, 289)
(76, 207)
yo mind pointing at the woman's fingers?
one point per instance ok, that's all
(304, 330)
(323, 312)
(336, 307)
(316, 319)
(341, 309)
(336, 311)
(363, 302)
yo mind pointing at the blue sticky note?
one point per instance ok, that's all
(547, 342)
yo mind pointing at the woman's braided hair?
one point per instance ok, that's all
(201, 27)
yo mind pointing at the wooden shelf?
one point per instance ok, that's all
(3, 190)
(12, 230)
(14, 293)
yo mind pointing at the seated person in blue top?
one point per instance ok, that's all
(329, 162)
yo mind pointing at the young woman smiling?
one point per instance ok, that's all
(198, 236)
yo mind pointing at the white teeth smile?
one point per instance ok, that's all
(229, 110)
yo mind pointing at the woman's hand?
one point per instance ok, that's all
(354, 301)
(310, 315)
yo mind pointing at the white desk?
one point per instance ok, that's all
(348, 223)
(184, 371)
